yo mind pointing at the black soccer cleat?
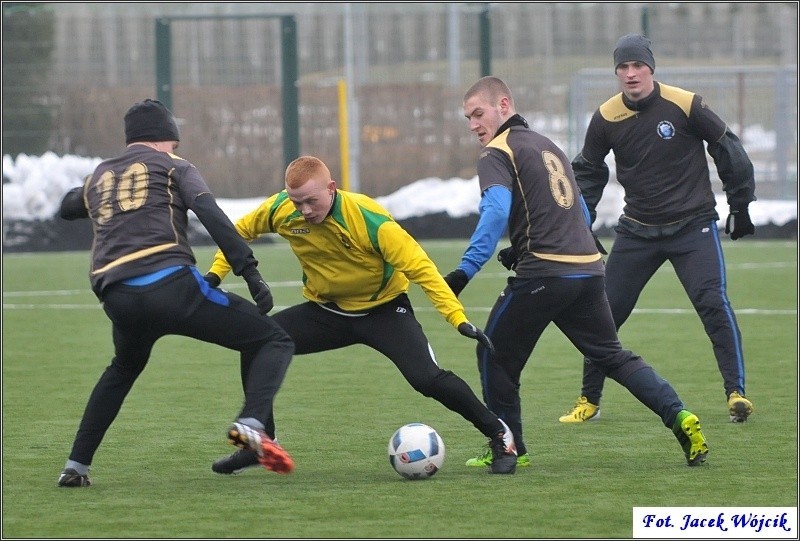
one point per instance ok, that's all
(504, 451)
(71, 478)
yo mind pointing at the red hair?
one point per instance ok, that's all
(303, 168)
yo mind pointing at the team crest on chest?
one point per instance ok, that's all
(665, 129)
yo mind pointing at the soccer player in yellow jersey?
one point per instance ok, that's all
(357, 264)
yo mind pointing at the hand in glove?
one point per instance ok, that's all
(261, 293)
(457, 280)
(508, 258)
(212, 279)
(471, 331)
(739, 223)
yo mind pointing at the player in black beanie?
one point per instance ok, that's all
(150, 120)
(144, 272)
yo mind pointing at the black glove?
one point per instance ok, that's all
(457, 280)
(739, 223)
(212, 279)
(471, 331)
(599, 245)
(261, 293)
(508, 258)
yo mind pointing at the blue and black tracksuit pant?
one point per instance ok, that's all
(579, 308)
(696, 255)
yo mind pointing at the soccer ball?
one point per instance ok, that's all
(416, 451)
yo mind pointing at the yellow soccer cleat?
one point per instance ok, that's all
(739, 407)
(582, 411)
(485, 459)
(689, 434)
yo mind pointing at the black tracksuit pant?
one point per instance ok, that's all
(696, 255)
(393, 330)
(182, 303)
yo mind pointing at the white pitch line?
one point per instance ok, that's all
(297, 283)
(66, 292)
(56, 293)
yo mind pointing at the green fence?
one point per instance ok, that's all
(70, 70)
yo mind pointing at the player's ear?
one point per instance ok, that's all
(505, 104)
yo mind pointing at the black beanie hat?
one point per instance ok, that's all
(150, 120)
(634, 48)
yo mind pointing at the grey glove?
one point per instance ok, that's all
(471, 331)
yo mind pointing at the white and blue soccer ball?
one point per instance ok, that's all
(416, 451)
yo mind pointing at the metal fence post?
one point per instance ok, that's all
(164, 62)
(486, 42)
(291, 99)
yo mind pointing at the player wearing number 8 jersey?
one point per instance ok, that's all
(528, 186)
(143, 270)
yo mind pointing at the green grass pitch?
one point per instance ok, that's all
(337, 410)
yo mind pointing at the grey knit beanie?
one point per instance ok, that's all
(634, 48)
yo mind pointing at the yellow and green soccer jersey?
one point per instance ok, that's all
(357, 258)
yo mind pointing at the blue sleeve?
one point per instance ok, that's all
(586, 214)
(494, 210)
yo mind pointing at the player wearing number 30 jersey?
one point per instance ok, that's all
(143, 270)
